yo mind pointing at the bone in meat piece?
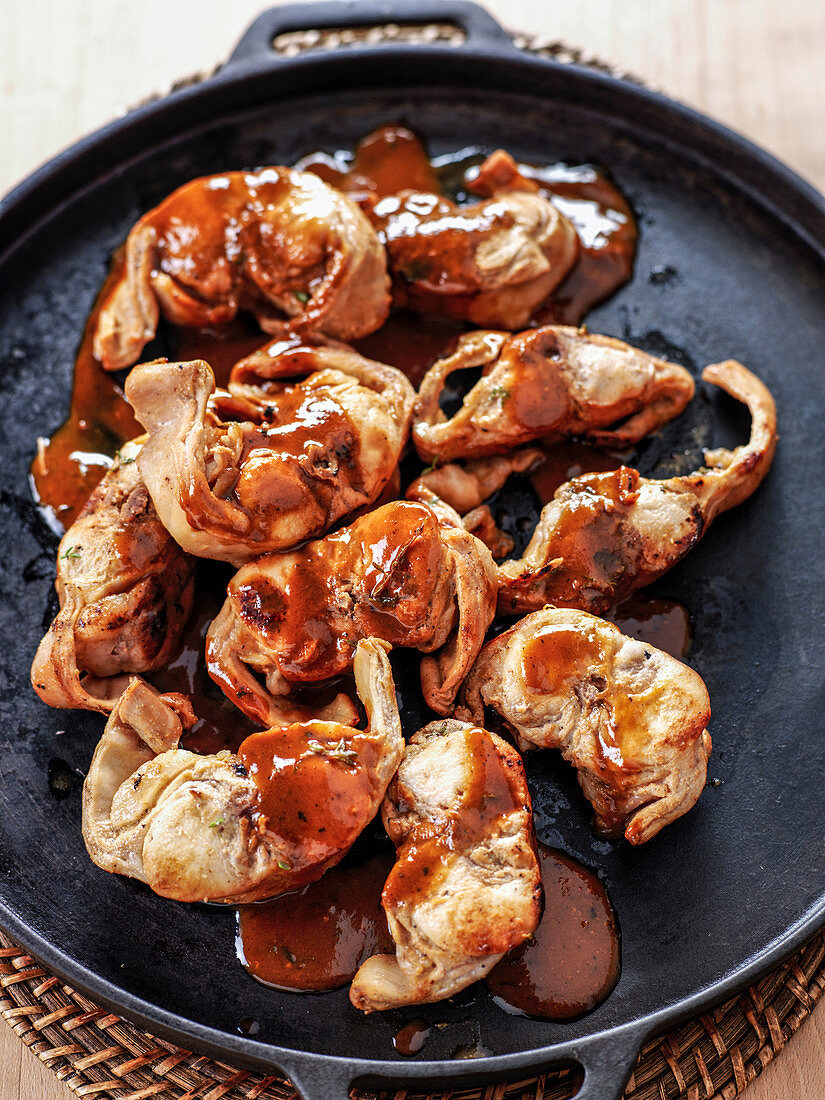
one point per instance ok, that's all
(280, 242)
(238, 827)
(270, 464)
(605, 535)
(491, 262)
(404, 572)
(125, 591)
(466, 886)
(547, 383)
(631, 719)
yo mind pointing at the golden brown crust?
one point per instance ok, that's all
(282, 242)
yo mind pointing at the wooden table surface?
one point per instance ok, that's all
(758, 65)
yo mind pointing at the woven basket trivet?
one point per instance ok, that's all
(97, 1054)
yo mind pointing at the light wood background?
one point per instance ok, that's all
(67, 66)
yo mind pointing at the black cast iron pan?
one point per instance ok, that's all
(731, 263)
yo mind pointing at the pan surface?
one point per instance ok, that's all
(731, 262)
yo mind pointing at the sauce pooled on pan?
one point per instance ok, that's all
(572, 961)
(68, 466)
(389, 160)
(317, 938)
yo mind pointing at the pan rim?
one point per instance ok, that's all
(236, 74)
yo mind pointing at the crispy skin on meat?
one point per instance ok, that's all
(280, 242)
(238, 827)
(126, 590)
(466, 886)
(630, 719)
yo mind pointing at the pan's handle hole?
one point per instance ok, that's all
(291, 43)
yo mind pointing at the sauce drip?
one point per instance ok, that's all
(563, 461)
(665, 624)
(410, 1038)
(572, 961)
(68, 466)
(390, 159)
(316, 939)
(220, 725)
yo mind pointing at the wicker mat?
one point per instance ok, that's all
(99, 1055)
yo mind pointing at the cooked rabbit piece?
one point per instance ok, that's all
(125, 590)
(605, 535)
(630, 719)
(466, 886)
(238, 827)
(464, 486)
(280, 242)
(547, 383)
(236, 475)
(401, 573)
(491, 262)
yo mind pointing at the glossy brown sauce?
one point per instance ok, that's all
(221, 347)
(664, 624)
(558, 655)
(315, 785)
(572, 961)
(220, 725)
(392, 159)
(563, 461)
(317, 938)
(389, 160)
(294, 422)
(411, 342)
(488, 794)
(594, 563)
(70, 464)
(411, 1037)
(391, 566)
(607, 231)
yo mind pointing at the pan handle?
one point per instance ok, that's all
(607, 1064)
(479, 26)
(606, 1061)
(319, 1079)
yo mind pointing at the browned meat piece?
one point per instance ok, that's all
(235, 475)
(630, 719)
(276, 241)
(467, 485)
(547, 383)
(401, 573)
(245, 826)
(605, 535)
(492, 262)
(466, 886)
(125, 591)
